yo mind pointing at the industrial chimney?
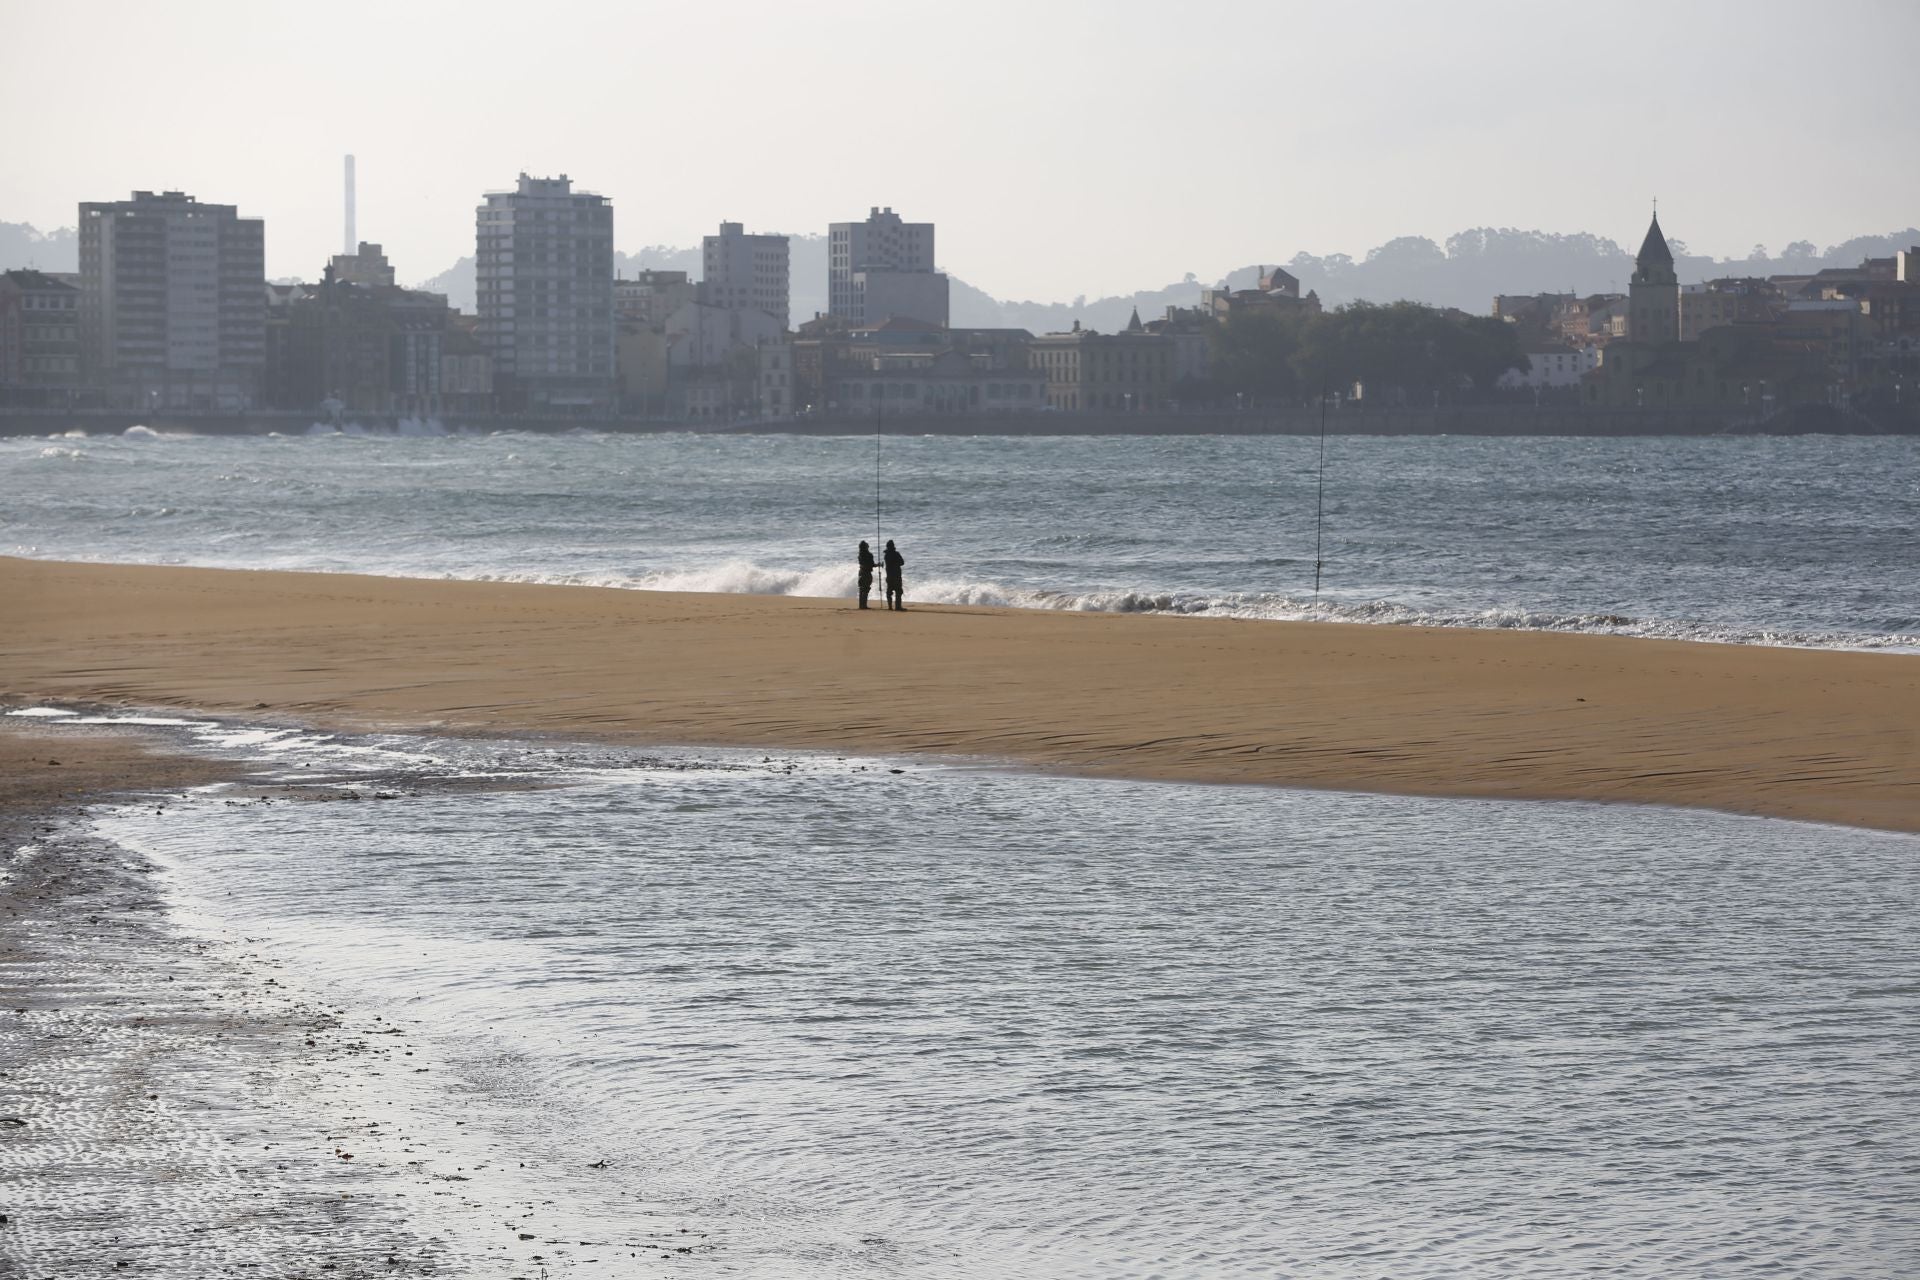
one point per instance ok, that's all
(353, 242)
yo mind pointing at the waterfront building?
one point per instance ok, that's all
(642, 308)
(173, 303)
(775, 379)
(39, 338)
(466, 370)
(544, 267)
(1125, 372)
(905, 383)
(1551, 366)
(745, 273)
(708, 363)
(884, 267)
(1190, 330)
(366, 348)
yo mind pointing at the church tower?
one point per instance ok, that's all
(1653, 298)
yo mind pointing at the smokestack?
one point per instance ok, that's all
(353, 243)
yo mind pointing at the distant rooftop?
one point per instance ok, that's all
(28, 278)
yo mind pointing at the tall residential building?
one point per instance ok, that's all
(745, 273)
(1653, 295)
(544, 265)
(173, 309)
(884, 267)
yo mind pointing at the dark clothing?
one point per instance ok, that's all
(866, 574)
(896, 594)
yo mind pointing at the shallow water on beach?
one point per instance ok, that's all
(1798, 540)
(869, 1018)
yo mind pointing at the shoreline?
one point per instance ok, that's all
(1821, 735)
(1514, 417)
(170, 1104)
(180, 1099)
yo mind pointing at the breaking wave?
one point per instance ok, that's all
(744, 577)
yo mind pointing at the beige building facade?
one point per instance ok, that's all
(1086, 372)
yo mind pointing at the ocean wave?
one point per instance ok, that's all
(405, 428)
(744, 577)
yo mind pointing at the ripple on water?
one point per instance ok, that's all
(1143, 1029)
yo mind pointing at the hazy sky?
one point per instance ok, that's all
(1062, 148)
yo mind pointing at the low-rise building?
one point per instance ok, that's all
(39, 338)
(1278, 291)
(1551, 366)
(775, 380)
(466, 370)
(1191, 332)
(368, 265)
(1595, 320)
(911, 383)
(653, 295)
(1087, 371)
(711, 364)
(1727, 301)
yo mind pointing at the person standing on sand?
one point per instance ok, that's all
(896, 596)
(866, 573)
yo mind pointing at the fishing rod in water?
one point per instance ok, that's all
(1320, 498)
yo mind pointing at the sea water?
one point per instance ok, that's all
(1805, 540)
(853, 1017)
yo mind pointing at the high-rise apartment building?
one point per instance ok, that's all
(745, 273)
(884, 267)
(544, 267)
(173, 309)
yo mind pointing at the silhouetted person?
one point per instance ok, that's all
(866, 573)
(896, 595)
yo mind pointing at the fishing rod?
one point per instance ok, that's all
(876, 474)
(1320, 498)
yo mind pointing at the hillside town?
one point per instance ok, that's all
(171, 312)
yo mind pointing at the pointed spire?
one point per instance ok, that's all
(1134, 325)
(1653, 250)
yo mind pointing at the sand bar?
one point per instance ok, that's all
(1812, 734)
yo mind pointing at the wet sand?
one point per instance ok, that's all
(1810, 734)
(174, 1101)
(169, 1106)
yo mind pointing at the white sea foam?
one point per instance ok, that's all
(43, 711)
(745, 577)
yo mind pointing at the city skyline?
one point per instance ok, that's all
(1375, 120)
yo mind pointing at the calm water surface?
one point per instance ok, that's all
(864, 1018)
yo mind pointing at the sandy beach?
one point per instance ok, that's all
(1808, 734)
